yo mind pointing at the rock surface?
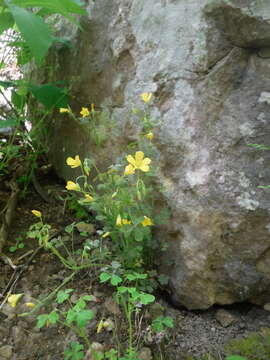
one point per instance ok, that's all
(208, 65)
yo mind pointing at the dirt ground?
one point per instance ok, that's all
(195, 332)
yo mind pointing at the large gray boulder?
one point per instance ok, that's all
(208, 66)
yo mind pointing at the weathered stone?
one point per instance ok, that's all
(225, 318)
(5, 352)
(145, 354)
(207, 64)
(267, 307)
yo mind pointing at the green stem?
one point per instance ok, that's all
(50, 296)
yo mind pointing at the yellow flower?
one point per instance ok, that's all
(74, 163)
(84, 112)
(149, 136)
(121, 222)
(126, 222)
(36, 213)
(100, 326)
(147, 221)
(88, 198)
(146, 97)
(106, 234)
(13, 299)
(129, 170)
(30, 304)
(139, 162)
(64, 110)
(72, 186)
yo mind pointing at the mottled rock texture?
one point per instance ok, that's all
(208, 65)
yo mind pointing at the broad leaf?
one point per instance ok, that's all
(12, 122)
(83, 317)
(146, 298)
(6, 84)
(63, 295)
(18, 100)
(34, 31)
(103, 277)
(53, 317)
(50, 96)
(42, 320)
(115, 280)
(6, 21)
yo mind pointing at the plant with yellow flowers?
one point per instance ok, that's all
(122, 200)
(39, 230)
(98, 123)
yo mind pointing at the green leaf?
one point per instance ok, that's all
(103, 277)
(74, 352)
(168, 321)
(146, 298)
(235, 357)
(50, 96)
(115, 280)
(136, 276)
(260, 146)
(6, 21)
(18, 100)
(71, 316)
(21, 246)
(138, 234)
(6, 84)
(63, 295)
(122, 289)
(34, 31)
(13, 122)
(12, 249)
(42, 319)
(83, 317)
(53, 317)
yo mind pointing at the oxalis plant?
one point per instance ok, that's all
(122, 199)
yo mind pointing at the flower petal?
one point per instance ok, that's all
(131, 160)
(147, 221)
(144, 168)
(119, 220)
(149, 136)
(146, 97)
(13, 299)
(36, 213)
(85, 112)
(129, 170)
(139, 155)
(72, 186)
